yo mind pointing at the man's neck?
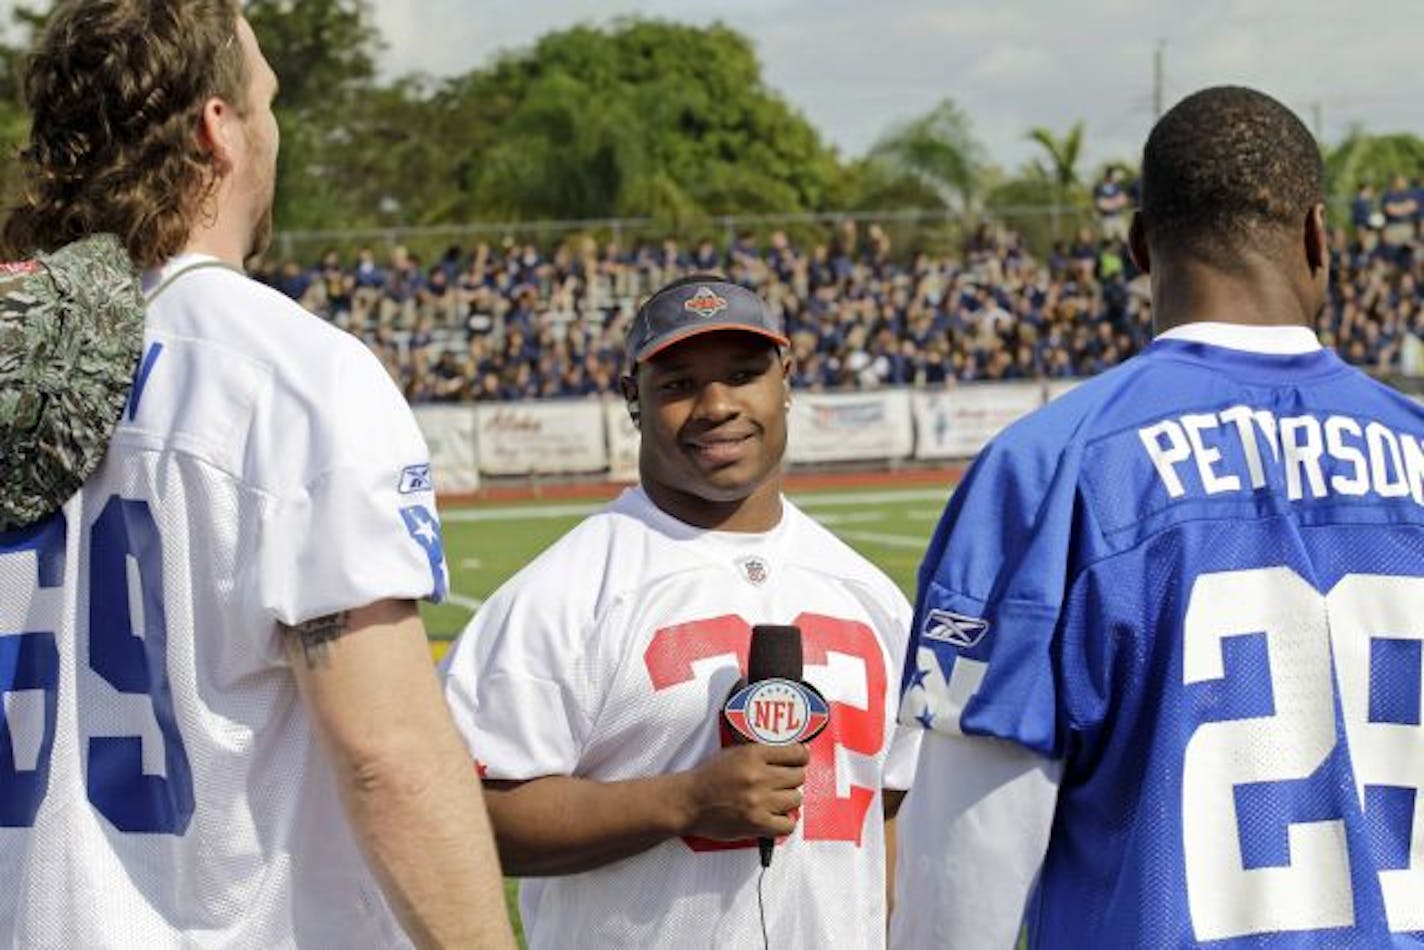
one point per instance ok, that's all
(226, 236)
(1188, 291)
(758, 512)
(208, 241)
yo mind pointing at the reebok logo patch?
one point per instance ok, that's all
(958, 630)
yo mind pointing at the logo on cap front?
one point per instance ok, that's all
(705, 303)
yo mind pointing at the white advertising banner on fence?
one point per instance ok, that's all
(450, 433)
(837, 427)
(555, 438)
(955, 423)
(1057, 387)
(623, 442)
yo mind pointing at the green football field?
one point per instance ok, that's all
(485, 544)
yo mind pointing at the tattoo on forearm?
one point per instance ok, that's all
(315, 637)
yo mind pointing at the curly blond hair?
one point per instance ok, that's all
(116, 90)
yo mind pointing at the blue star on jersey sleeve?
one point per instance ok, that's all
(426, 531)
(981, 659)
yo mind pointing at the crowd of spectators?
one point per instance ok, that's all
(511, 321)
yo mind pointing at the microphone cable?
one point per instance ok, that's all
(761, 910)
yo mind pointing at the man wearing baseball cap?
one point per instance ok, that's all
(590, 686)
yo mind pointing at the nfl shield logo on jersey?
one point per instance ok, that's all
(754, 569)
(958, 630)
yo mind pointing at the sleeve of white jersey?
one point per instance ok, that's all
(970, 840)
(526, 678)
(904, 752)
(362, 526)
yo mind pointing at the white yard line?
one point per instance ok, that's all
(520, 513)
(818, 499)
(805, 500)
(829, 518)
(469, 603)
(889, 540)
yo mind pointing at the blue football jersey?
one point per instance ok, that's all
(1198, 579)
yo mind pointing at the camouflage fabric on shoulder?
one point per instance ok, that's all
(71, 333)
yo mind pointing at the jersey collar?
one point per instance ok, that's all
(1279, 341)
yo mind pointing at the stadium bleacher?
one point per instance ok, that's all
(515, 322)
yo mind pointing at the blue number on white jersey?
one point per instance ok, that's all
(29, 661)
(130, 661)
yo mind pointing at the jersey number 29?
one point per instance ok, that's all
(1350, 651)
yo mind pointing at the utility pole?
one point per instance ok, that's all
(1157, 79)
(1317, 119)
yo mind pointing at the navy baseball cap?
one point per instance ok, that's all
(692, 307)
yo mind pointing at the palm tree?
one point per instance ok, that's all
(939, 150)
(1062, 168)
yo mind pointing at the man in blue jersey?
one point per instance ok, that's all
(1168, 632)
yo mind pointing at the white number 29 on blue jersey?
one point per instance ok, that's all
(1315, 646)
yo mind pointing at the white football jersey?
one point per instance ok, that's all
(160, 784)
(609, 657)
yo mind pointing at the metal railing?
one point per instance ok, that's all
(728, 226)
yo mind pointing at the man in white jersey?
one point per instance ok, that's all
(218, 693)
(589, 686)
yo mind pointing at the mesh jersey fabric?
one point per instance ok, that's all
(166, 787)
(609, 657)
(1197, 579)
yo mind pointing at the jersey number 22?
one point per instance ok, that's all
(827, 816)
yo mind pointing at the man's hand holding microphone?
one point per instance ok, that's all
(752, 789)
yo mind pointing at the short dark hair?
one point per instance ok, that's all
(1223, 169)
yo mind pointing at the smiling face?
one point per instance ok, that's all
(713, 422)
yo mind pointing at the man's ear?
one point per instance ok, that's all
(629, 385)
(1137, 244)
(1317, 239)
(216, 132)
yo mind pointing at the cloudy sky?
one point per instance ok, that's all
(854, 67)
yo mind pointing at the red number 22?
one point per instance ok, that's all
(826, 816)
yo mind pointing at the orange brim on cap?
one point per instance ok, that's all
(776, 338)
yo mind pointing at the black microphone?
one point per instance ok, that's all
(775, 653)
(773, 706)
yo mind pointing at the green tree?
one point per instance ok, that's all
(641, 117)
(938, 151)
(26, 21)
(1019, 201)
(324, 53)
(1063, 155)
(1374, 159)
